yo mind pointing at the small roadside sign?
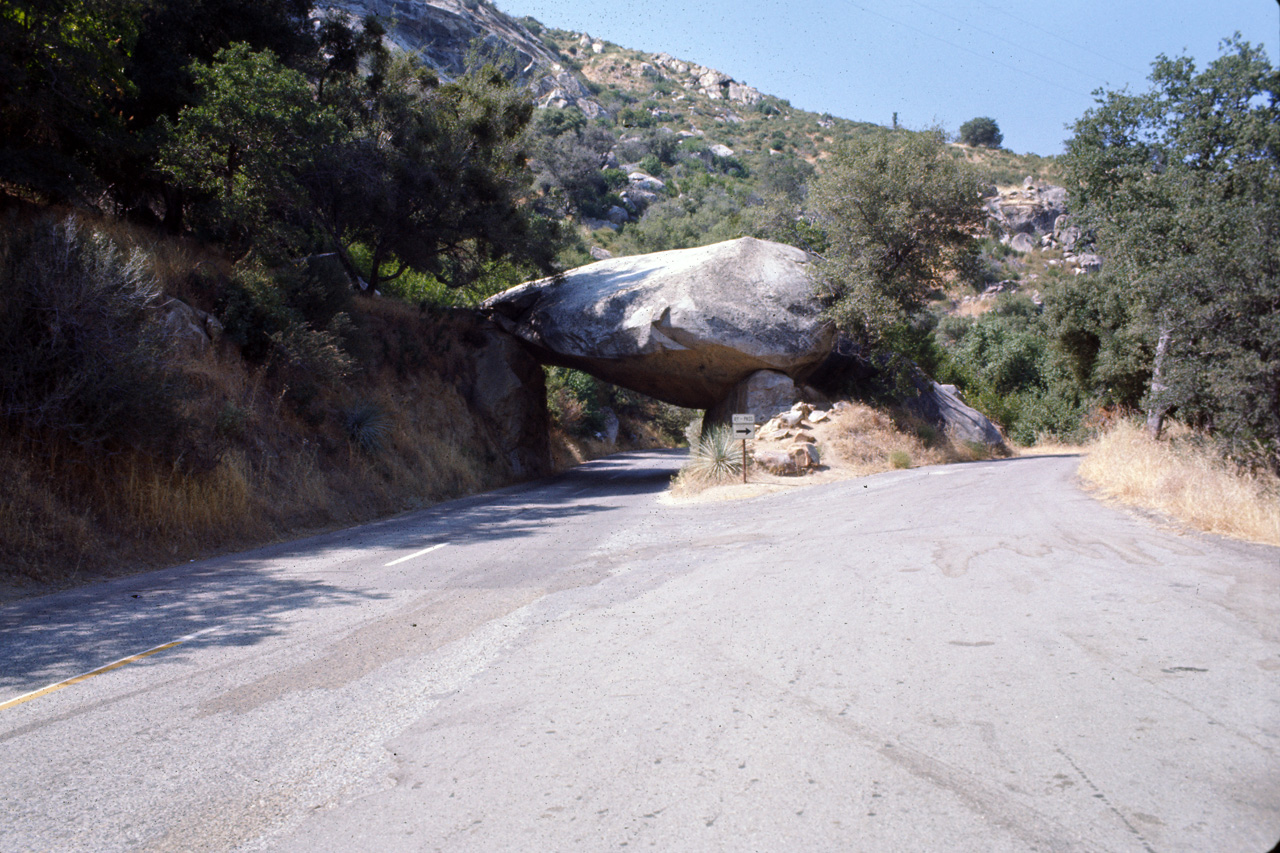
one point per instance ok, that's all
(744, 427)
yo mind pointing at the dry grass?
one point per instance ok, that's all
(1052, 448)
(569, 450)
(1185, 481)
(65, 515)
(856, 441)
(869, 441)
(254, 466)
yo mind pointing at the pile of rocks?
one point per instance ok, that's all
(785, 444)
(1029, 210)
(715, 85)
(1035, 215)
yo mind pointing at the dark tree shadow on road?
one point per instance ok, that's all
(248, 597)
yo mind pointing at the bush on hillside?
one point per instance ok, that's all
(81, 356)
(981, 132)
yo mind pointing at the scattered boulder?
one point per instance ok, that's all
(797, 460)
(648, 183)
(1033, 209)
(192, 332)
(804, 454)
(1090, 263)
(790, 419)
(941, 406)
(1022, 243)
(713, 84)
(685, 326)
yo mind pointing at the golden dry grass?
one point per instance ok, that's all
(857, 441)
(251, 460)
(1187, 482)
(870, 441)
(264, 472)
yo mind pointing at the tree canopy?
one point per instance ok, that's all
(982, 132)
(62, 62)
(245, 144)
(261, 127)
(1181, 187)
(900, 216)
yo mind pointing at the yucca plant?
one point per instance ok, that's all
(368, 426)
(715, 456)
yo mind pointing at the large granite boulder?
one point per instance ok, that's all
(941, 406)
(685, 326)
(762, 394)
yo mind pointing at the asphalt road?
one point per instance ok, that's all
(971, 658)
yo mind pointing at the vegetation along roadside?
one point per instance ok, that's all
(199, 202)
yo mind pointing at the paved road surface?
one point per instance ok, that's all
(970, 658)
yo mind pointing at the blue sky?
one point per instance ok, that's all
(1031, 67)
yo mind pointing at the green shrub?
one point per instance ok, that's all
(576, 400)
(900, 459)
(252, 309)
(982, 132)
(614, 179)
(232, 421)
(634, 117)
(81, 356)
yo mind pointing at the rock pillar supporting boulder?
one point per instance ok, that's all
(763, 394)
(508, 390)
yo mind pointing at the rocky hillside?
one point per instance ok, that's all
(447, 35)
(635, 89)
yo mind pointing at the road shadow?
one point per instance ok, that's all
(249, 596)
(93, 626)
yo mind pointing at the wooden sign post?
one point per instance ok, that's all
(744, 427)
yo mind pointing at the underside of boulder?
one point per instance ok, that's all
(685, 326)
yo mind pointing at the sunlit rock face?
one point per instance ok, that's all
(685, 326)
(445, 35)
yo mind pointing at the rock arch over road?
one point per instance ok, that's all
(685, 326)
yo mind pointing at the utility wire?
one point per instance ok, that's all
(998, 37)
(1066, 40)
(981, 56)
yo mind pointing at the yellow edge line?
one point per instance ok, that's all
(52, 688)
